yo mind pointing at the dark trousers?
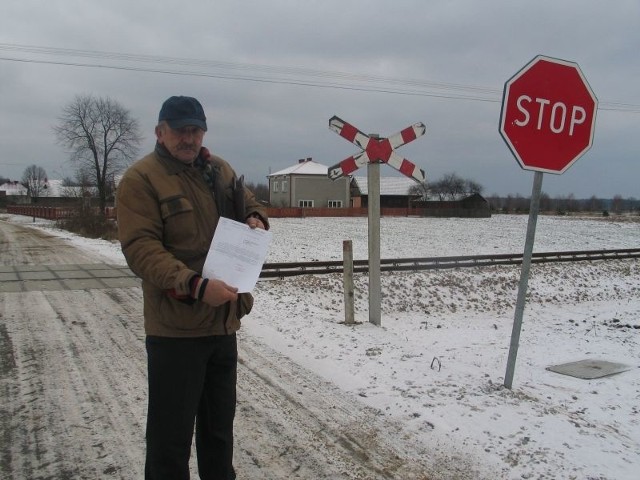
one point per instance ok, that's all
(191, 380)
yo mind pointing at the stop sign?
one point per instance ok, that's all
(548, 115)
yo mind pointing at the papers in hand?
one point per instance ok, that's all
(236, 254)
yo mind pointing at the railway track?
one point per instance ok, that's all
(290, 269)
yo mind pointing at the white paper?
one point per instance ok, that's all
(237, 254)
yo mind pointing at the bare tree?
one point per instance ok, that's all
(260, 190)
(450, 186)
(454, 186)
(572, 204)
(594, 204)
(34, 179)
(545, 202)
(422, 189)
(495, 202)
(81, 187)
(520, 203)
(101, 137)
(438, 189)
(617, 203)
(473, 187)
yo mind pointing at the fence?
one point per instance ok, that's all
(298, 212)
(435, 209)
(52, 213)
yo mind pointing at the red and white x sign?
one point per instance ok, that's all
(376, 150)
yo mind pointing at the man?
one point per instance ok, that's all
(168, 205)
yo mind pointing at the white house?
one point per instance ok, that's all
(14, 188)
(306, 184)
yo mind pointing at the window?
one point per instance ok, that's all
(305, 203)
(335, 204)
(285, 184)
(275, 186)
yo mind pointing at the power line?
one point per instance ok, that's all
(260, 80)
(269, 69)
(296, 76)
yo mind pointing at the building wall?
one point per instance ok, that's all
(312, 188)
(280, 191)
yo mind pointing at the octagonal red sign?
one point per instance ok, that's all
(548, 115)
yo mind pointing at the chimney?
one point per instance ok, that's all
(308, 159)
(302, 160)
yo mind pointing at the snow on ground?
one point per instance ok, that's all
(438, 361)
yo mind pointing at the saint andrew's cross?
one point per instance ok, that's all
(376, 150)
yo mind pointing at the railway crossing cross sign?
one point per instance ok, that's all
(376, 150)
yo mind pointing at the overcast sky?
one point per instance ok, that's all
(271, 73)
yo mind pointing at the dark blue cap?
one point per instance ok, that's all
(181, 112)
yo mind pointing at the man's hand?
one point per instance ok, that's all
(255, 222)
(217, 293)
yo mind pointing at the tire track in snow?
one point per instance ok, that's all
(69, 416)
(308, 428)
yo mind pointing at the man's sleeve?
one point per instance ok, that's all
(140, 233)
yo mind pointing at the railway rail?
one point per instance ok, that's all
(290, 269)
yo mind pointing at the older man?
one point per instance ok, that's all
(169, 204)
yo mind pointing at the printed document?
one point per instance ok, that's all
(237, 254)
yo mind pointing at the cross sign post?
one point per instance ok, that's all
(375, 150)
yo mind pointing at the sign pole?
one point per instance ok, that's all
(524, 278)
(373, 210)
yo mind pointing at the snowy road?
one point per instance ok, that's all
(73, 389)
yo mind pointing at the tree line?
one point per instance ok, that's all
(453, 187)
(565, 204)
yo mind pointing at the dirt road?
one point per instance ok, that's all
(73, 389)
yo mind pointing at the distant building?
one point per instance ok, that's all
(306, 184)
(54, 193)
(394, 192)
(13, 188)
(468, 206)
(13, 192)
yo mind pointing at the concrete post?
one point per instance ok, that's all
(347, 263)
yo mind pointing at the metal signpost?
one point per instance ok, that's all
(547, 120)
(375, 150)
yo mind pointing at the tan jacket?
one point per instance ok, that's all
(167, 214)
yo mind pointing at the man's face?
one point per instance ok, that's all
(183, 143)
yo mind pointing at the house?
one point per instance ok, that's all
(54, 193)
(306, 184)
(13, 192)
(394, 192)
(13, 187)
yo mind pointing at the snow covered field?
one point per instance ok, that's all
(436, 365)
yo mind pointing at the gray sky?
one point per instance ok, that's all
(271, 74)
